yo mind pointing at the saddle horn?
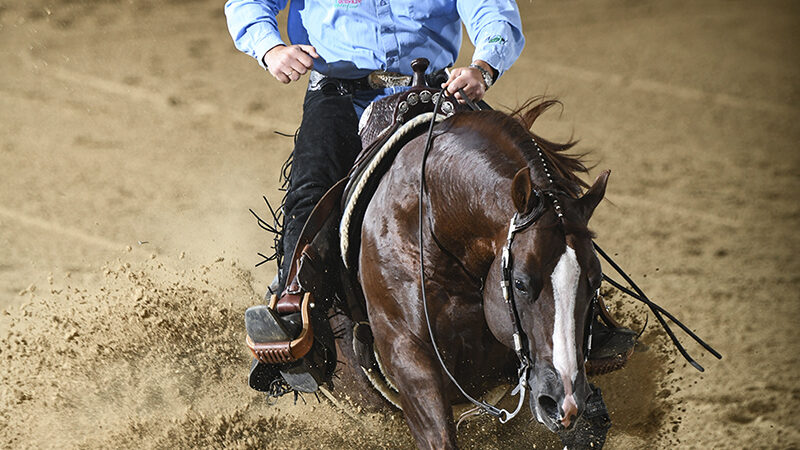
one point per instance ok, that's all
(419, 66)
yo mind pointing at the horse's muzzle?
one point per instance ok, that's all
(555, 405)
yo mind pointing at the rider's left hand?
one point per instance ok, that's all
(470, 80)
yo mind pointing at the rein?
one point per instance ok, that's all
(657, 310)
(515, 226)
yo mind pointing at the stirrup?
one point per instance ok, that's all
(268, 337)
(277, 355)
(614, 362)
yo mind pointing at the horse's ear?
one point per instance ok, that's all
(594, 195)
(521, 190)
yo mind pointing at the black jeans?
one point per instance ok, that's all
(326, 147)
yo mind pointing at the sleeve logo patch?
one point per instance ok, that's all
(496, 39)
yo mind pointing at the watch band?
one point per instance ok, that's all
(487, 77)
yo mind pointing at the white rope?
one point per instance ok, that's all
(347, 215)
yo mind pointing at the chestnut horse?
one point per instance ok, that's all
(483, 169)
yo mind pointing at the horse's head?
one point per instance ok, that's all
(554, 276)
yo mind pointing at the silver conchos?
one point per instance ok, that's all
(402, 108)
(425, 96)
(447, 108)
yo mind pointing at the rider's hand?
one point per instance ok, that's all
(470, 80)
(288, 63)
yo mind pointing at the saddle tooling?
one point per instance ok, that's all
(291, 337)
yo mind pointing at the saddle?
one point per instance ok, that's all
(284, 332)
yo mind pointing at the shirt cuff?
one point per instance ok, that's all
(263, 46)
(494, 55)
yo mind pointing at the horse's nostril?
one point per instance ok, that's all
(549, 406)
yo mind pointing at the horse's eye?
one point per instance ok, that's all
(520, 286)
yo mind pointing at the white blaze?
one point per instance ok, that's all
(565, 288)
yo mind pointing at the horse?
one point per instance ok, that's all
(484, 173)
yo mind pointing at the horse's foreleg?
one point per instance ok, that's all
(418, 377)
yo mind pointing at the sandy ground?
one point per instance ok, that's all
(134, 138)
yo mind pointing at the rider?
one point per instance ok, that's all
(341, 43)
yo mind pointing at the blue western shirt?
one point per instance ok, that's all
(355, 37)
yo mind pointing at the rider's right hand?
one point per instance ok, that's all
(288, 63)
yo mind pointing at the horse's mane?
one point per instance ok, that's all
(566, 166)
(514, 129)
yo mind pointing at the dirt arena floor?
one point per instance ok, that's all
(134, 138)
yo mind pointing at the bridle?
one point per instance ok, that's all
(518, 224)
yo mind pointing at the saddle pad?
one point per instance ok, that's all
(355, 204)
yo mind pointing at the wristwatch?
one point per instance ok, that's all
(487, 77)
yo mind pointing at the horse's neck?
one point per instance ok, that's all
(471, 211)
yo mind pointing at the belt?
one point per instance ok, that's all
(378, 79)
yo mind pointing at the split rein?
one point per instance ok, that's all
(518, 224)
(503, 415)
(657, 310)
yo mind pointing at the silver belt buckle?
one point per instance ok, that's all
(381, 79)
(315, 80)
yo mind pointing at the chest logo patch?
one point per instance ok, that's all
(346, 4)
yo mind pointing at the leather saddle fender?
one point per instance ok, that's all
(309, 278)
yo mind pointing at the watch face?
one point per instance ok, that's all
(487, 79)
